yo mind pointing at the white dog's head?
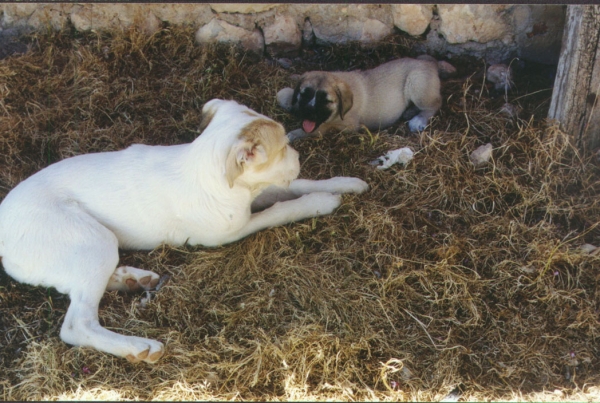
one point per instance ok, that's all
(258, 154)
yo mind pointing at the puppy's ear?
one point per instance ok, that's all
(345, 98)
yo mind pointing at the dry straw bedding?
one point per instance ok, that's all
(442, 276)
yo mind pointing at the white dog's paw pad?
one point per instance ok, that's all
(144, 283)
(153, 352)
(127, 278)
(145, 356)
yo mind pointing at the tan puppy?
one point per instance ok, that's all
(334, 101)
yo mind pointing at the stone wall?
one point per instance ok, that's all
(495, 32)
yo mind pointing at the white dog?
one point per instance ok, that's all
(62, 227)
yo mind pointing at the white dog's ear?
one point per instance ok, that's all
(258, 143)
(241, 154)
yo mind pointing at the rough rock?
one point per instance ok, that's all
(221, 31)
(373, 31)
(241, 8)
(103, 16)
(538, 31)
(345, 23)
(412, 18)
(183, 13)
(497, 33)
(55, 15)
(500, 75)
(283, 35)
(481, 155)
(493, 51)
(91, 17)
(18, 13)
(482, 23)
(11, 41)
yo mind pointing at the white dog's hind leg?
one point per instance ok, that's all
(281, 213)
(127, 278)
(79, 256)
(81, 328)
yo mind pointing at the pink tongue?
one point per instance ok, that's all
(308, 126)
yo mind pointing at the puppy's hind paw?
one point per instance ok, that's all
(417, 124)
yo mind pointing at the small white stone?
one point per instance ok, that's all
(500, 75)
(510, 110)
(481, 155)
(400, 156)
(588, 248)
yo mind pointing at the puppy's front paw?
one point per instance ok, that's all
(344, 184)
(417, 124)
(284, 98)
(296, 134)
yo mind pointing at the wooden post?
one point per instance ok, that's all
(575, 100)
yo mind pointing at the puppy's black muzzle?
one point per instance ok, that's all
(311, 105)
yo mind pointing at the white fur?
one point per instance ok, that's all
(62, 227)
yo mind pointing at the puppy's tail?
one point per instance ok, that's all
(445, 69)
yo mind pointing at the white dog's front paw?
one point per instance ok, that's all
(417, 124)
(321, 203)
(344, 184)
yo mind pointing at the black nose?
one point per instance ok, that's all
(307, 94)
(308, 112)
